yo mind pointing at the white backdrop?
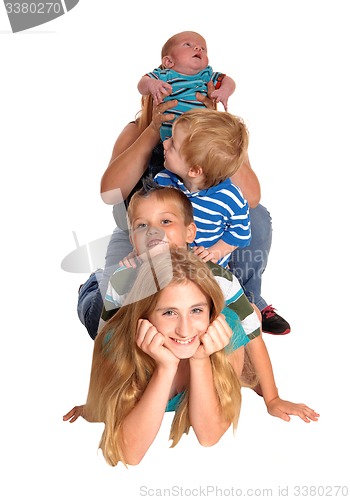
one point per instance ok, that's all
(63, 102)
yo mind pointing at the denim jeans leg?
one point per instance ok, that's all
(249, 263)
(93, 291)
(90, 303)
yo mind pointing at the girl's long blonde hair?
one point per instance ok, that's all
(121, 371)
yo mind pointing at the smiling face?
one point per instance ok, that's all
(157, 224)
(182, 315)
(187, 53)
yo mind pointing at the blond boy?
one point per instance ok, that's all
(206, 149)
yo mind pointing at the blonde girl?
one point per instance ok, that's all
(168, 348)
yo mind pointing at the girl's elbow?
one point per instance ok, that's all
(107, 197)
(133, 457)
(111, 196)
(134, 460)
(210, 439)
(212, 436)
(254, 200)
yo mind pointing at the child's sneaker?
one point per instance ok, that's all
(273, 323)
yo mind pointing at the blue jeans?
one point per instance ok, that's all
(249, 263)
(90, 302)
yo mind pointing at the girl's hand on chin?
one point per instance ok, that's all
(150, 341)
(216, 337)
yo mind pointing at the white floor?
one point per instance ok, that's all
(63, 105)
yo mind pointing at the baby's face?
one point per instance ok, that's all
(157, 224)
(189, 53)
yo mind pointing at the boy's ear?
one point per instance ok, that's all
(167, 62)
(191, 232)
(195, 171)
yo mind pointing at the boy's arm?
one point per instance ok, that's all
(215, 252)
(219, 250)
(236, 233)
(237, 301)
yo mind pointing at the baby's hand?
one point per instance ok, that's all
(159, 90)
(220, 95)
(282, 409)
(74, 414)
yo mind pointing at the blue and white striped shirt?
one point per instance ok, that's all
(220, 213)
